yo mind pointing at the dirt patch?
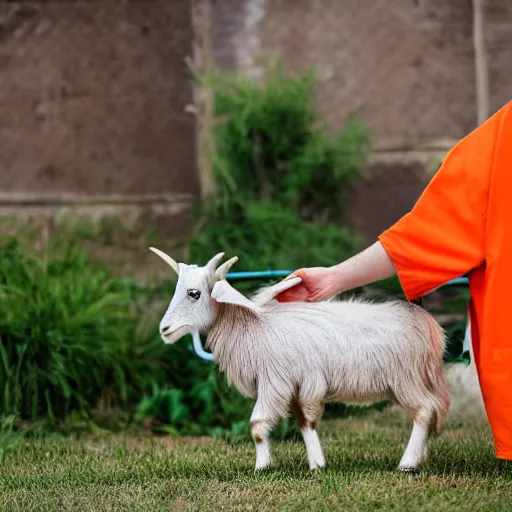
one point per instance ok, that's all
(144, 443)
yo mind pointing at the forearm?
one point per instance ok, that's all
(371, 265)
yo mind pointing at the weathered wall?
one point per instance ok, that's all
(498, 39)
(92, 92)
(92, 99)
(406, 67)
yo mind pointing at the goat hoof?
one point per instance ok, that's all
(259, 469)
(410, 471)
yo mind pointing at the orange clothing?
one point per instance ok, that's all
(462, 225)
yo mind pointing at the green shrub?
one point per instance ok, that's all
(76, 339)
(203, 404)
(67, 332)
(270, 146)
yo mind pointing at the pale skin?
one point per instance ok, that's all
(318, 283)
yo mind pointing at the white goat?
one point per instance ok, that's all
(301, 355)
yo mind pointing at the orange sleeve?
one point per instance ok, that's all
(443, 236)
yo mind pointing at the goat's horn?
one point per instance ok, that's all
(223, 270)
(167, 259)
(212, 264)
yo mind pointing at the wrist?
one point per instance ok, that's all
(337, 280)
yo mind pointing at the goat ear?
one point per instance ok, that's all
(223, 270)
(223, 292)
(167, 259)
(269, 293)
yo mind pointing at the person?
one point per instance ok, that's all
(460, 225)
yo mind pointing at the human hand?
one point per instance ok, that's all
(317, 283)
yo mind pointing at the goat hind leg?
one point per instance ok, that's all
(308, 416)
(417, 450)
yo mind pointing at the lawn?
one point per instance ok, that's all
(137, 472)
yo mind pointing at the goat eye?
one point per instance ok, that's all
(194, 294)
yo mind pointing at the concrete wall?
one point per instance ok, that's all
(92, 99)
(93, 92)
(406, 67)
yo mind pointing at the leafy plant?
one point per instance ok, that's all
(67, 331)
(271, 147)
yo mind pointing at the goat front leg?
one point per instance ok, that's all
(308, 417)
(263, 420)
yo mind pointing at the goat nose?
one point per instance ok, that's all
(165, 329)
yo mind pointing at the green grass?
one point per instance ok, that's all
(135, 472)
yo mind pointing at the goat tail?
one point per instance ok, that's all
(434, 376)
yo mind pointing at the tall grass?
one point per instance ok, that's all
(67, 332)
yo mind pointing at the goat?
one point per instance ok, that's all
(301, 355)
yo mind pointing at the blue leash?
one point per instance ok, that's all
(268, 274)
